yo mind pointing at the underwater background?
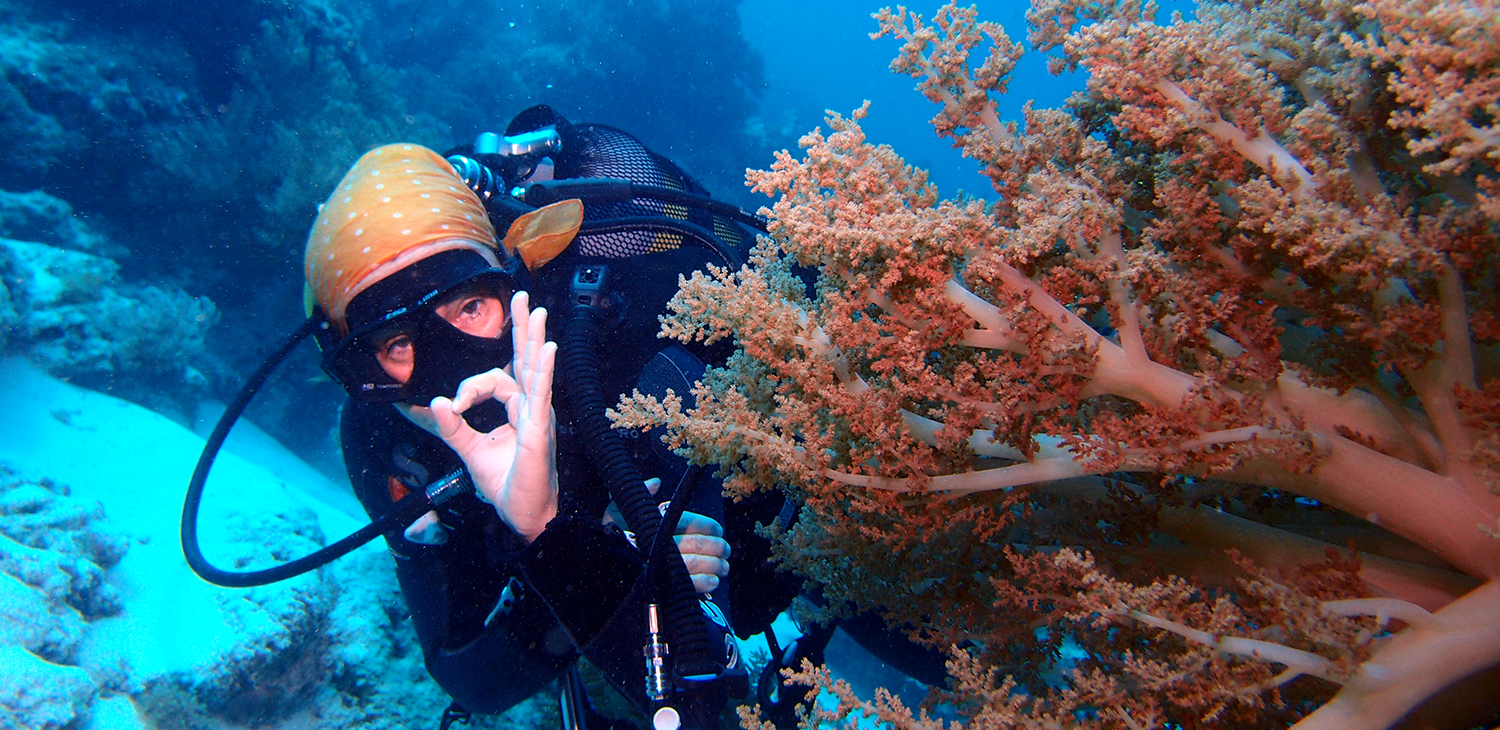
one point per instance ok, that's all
(179, 150)
(165, 159)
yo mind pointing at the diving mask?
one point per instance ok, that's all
(402, 312)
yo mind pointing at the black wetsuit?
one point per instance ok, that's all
(489, 639)
(487, 658)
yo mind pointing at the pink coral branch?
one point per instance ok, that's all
(1007, 477)
(1298, 662)
(1262, 149)
(1456, 641)
(819, 345)
(1130, 313)
(1116, 373)
(1211, 531)
(1060, 464)
(1404, 498)
(1383, 609)
(1437, 382)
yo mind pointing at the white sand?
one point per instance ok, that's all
(136, 464)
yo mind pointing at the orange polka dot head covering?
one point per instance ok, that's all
(398, 205)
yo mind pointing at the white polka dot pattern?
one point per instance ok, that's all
(380, 203)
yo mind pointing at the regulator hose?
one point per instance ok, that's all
(409, 508)
(579, 362)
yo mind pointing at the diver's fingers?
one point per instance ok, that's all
(693, 523)
(653, 485)
(528, 332)
(539, 397)
(514, 405)
(495, 383)
(452, 428)
(427, 530)
(711, 553)
(520, 317)
(536, 336)
(480, 386)
(705, 571)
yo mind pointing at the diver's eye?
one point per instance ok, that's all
(479, 314)
(465, 313)
(396, 355)
(397, 349)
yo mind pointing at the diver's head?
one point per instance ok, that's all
(403, 266)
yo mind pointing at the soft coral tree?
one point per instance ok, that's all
(1246, 276)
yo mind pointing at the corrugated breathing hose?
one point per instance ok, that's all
(579, 362)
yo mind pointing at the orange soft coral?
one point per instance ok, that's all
(1248, 257)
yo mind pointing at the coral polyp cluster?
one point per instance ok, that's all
(1209, 389)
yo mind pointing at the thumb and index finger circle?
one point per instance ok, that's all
(451, 425)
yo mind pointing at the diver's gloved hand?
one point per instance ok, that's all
(701, 541)
(514, 467)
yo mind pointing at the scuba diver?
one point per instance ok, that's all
(427, 321)
(483, 309)
(526, 530)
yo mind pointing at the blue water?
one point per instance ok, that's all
(819, 56)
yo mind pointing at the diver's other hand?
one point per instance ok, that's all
(426, 530)
(514, 467)
(700, 539)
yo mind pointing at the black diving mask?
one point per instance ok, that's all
(443, 356)
(403, 310)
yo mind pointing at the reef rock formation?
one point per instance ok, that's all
(40, 695)
(53, 554)
(69, 312)
(65, 306)
(37, 216)
(277, 655)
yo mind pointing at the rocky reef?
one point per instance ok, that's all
(54, 554)
(69, 312)
(102, 627)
